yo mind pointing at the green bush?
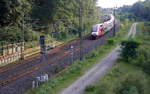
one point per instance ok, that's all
(147, 27)
(102, 89)
(90, 88)
(142, 60)
(111, 41)
(130, 80)
(10, 34)
(129, 89)
(133, 84)
(146, 66)
(94, 54)
(129, 49)
(15, 34)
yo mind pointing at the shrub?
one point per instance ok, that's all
(30, 35)
(10, 34)
(111, 41)
(129, 49)
(143, 60)
(146, 66)
(15, 34)
(133, 84)
(147, 27)
(129, 89)
(90, 88)
(102, 88)
(94, 54)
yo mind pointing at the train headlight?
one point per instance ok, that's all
(94, 33)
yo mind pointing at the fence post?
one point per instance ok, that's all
(72, 53)
(22, 54)
(33, 84)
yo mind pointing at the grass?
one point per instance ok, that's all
(125, 77)
(73, 72)
(120, 73)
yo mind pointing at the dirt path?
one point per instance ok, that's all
(98, 70)
(132, 30)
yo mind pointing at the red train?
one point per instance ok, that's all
(99, 30)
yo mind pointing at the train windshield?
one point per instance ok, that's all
(94, 28)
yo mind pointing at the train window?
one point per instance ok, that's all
(94, 29)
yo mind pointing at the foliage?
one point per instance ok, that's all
(131, 85)
(10, 34)
(64, 18)
(122, 79)
(111, 41)
(30, 35)
(90, 88)
(94, 54)
(14, 14)
(129, 49)
(143, 54)
(14, 34)
(147, 27)
(46, 16)
(146, 66)
(139, 11)
(129, 90)
(142, 59)
(13, 11)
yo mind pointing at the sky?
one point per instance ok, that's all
(113, 3)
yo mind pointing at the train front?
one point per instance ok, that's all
(94, 33)
(97, 31)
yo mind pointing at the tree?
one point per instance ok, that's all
(139, 10)
(43, 14)
(12, 11)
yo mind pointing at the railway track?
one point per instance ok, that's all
(11, 73)
(29, 60)
(18, 64)
(25, 68)
(16, 76)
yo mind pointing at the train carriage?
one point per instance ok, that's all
(99, 30)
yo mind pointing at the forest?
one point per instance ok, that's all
(139, 11)
(27, 19)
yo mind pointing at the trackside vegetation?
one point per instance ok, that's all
(137, 12)
(30, 18)
(129, 49)
(70, 74)
(131, 73)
